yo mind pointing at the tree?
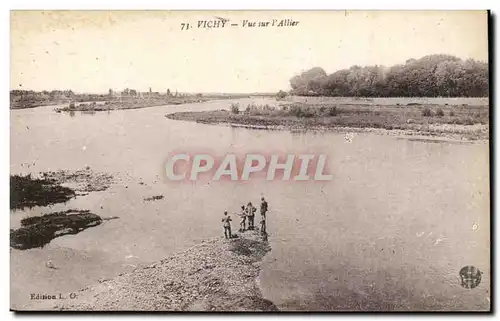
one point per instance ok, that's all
(308, 82)
(281, 94)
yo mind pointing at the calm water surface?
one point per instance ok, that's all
(390, 231)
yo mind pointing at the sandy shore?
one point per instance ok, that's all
(215, 275)
(450, 133)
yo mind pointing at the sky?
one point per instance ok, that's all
(93, 51)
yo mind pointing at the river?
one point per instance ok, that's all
(390, 231)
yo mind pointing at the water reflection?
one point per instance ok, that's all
(72, 113)
(88, 112)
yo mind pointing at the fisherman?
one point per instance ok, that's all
(243, 216)
(251, 215)
(227, 225)
(263, 208)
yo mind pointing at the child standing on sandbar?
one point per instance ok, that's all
(227, 225)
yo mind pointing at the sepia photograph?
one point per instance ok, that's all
(250, 161)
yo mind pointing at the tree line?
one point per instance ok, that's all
(30, 98)
(32, 93)
(430, 76)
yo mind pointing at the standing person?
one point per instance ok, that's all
(263, 207)
(251, 215)
(227, 225)
(243, 216)
(263, 225)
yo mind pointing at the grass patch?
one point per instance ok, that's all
(26, 191)
(37, 231)
(426, 120)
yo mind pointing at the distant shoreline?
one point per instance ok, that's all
(468, 123)
(139, 103)
(131, 104)
(19, 105)
(113, 103)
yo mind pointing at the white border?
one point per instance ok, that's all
(255, 5)
(190, 5)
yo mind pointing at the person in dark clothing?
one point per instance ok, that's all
(263, 208)
(227, 225)
(251, 215)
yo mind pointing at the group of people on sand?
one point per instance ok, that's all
(247, 214)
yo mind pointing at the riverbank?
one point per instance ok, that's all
(32, 101)
(451, 122)
(48, 188)
(33, 104)
(215, 275)
(137, 103)
(129, 104)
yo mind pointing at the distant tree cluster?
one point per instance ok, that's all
(281, 94)
(429, 76)
(30, 94)
(128, 92)
(30, 98)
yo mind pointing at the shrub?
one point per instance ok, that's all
(469, 121)
(281, 94)
(332, 111)
(235, 108)
(427, 112)
(452, 113)
(254, 109)
(439, 112)
(296, 110)
(308, 112)
(268, 108)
